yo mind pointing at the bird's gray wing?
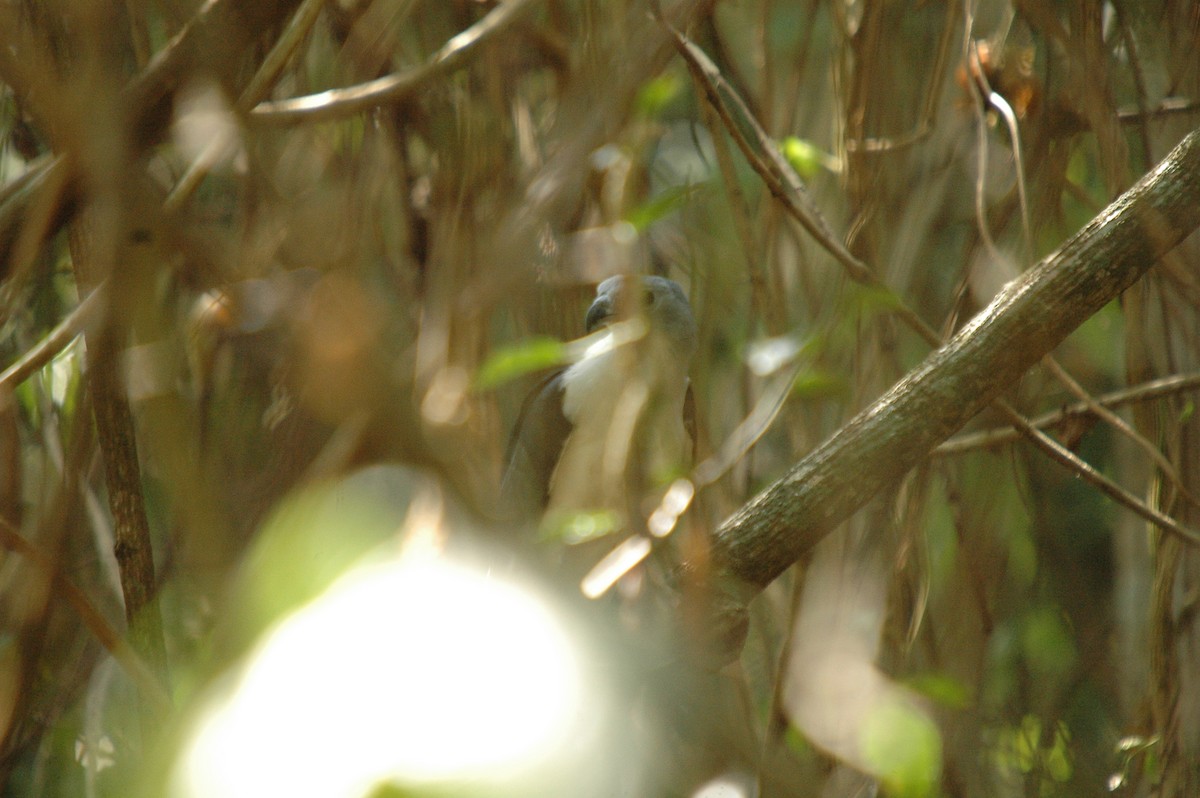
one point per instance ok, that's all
(534, 448)
(689, 421)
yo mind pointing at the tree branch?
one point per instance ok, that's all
(84, 315)
(339, 103)
(1027, 319)
(998, 436)
(120, 649)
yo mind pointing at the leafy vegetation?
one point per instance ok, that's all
(275, 276)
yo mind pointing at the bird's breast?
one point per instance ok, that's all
(622, 409)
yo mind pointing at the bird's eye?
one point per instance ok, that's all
(649, 298)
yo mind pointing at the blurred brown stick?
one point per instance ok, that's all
(338, 103)
(55, 341)
(93, 619)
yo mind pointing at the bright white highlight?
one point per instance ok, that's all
(414, 670)
(620, 561)
(676, 500)
(730, 785)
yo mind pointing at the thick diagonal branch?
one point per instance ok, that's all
(1027, 319)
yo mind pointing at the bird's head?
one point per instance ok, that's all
(661, 302)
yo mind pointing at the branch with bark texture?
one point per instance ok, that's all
(1026, 320)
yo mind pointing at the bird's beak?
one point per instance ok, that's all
(599, 314)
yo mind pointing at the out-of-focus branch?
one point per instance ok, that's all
(141, 675)
(338, 103)
(218, 32)
(122, 473)
(1169, 106)
(272, 65)
(258, 88)
(144, 95)
(83, 316)
(1027, 319)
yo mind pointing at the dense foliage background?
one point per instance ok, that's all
(216, 298)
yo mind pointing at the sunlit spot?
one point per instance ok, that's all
(412, 671)
(619, 562)
(676, 500)
(728, 785)
(768, 356)
(205, 129)
(445, 401)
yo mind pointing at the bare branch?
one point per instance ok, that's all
(339, 103)
(988, 439)
(785, 185)
(82, 317)
(1027, 319)
(272, 65)
(139, 673)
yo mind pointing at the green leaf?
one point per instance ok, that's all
(903, 747)
(805, 158)
(658, 93)
(660, 205)
(1047, 644)
(575, 528)
(818, 384)
(945, 690)
(516, 360)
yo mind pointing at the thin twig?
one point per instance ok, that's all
(1074, 462)
(933, 96)
(1139, 80)
(299, 26)
(35, 170)
(741, 220)
(37, 205)
(784, 184)
(992, 438)
(83, 316)
(339, 103)
(1170, 106)
(780, 179)
(165, 64)
(1119, 424)
(148, 684)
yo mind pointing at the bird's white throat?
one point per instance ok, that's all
(606, 396)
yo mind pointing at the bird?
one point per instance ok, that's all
(608, 431)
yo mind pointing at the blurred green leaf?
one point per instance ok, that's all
(941, 539)
(1058, 756)
(818, 384)
(656, 94)
(903, 748)
(803, 156)
(1022, 749)
(1047, 644)
(509, 362)
(1022, 557)
(945, 690)
(575, 528)
(1094, 339)
(870, 299)
(659, 206)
